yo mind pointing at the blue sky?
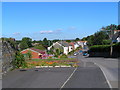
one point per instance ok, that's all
(56, 20)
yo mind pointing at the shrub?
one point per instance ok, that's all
(63, 56)
(100, 48)
(19, 61)
(105, 48)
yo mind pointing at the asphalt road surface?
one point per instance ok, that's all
(109, 67)
(88, 75)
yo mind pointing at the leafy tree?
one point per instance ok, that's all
(106, 42)
(29, 55)
(55, 40)
(58, 51)
(51, 50)
(45, 43)
(118, 27)
(39, 47)
(91, 40)
(25, 43)
(77, 39)
(98, 38)
(28, 41)
(19, 61)
(68, 41)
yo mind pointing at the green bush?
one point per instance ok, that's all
(105, 48)
(63, 56)
(100, 48)
(116, 47)
(39, 47)
(19, 61)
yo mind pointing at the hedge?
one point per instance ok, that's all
(105, 48)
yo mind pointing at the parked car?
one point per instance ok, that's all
(76, 53)
(85, 53)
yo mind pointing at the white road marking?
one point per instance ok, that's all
(68, 79)
(104, 75)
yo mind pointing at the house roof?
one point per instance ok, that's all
(72, 43)
(63, 43)
(38, 50)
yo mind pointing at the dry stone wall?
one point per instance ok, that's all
(8, 54)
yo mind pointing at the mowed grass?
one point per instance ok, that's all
(53, 59)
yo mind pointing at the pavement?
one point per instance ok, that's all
(87, 75)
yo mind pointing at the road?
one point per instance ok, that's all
(87, 75)
(109, 67)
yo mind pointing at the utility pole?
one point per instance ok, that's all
(111, 38)
(111, 47)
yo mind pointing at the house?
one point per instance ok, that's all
(36, 53)
(74, 45)
(116, 35)
(83, 44)
(66, 47)
(71, 46)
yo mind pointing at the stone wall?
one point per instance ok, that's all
(8, 54)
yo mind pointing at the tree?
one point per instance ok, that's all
(39, 47)
(28, 41)
(118, 27)
(98, 38)
(45, 43)
(25, 43)
(77, 39)
(55, 40)
(91, 40)
(29, 55)
(68, 41)
(19, 61)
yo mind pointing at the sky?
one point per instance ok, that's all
(56, 20)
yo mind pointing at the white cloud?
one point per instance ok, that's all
(51, 31)
(72, 28)
(46, 32)
(16, 33)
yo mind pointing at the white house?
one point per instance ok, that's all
(63, 45)
(82, 43)
(70, 48)
(118, 39)
(76, 45)
(117, 35)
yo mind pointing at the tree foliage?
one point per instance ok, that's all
(39, 47)
(77, 39)
(26, 43)
(19, 61)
